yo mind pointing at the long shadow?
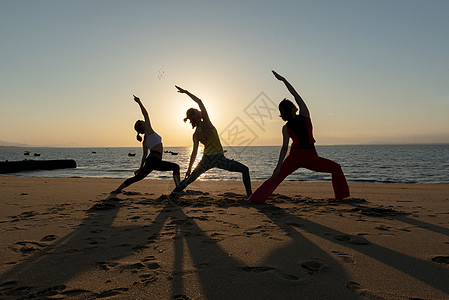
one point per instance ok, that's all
(223, 277)
(97, 243)
(425, 271)
(424, 225)
(406, 219)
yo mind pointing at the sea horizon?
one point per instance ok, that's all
(411, 163)
(169, 146)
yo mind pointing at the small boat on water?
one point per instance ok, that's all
(26, 153)
(30, 165)
(36, 154)
(131, 154)
(171, 152)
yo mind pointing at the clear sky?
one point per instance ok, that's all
(369, 71)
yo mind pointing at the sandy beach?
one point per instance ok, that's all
(67, 238)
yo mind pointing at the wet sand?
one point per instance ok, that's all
(68, 238)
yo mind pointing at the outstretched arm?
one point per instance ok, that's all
(197, 100)
(193, 155)
(148, 127)
(283, 152)
(144, 157)
(303, 110)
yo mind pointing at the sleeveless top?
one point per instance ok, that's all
(300, 130)
(153, 140)
(212, 146)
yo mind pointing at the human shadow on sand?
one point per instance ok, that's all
(124, 261)
(428, 272)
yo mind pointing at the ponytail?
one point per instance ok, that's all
(138, 126)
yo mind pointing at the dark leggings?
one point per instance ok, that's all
(217, 161)
(153, 162)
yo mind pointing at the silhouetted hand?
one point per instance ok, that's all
(278, 77)
(137, 99)
(276, 172)
(181, 90)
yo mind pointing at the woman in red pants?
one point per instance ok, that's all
(302, 152)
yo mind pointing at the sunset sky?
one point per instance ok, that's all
(369, 71)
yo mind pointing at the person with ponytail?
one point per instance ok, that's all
(302, 151)
(213, 156)
(153, 161)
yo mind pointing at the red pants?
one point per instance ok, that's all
(309, 159)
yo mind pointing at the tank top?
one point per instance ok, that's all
(212, 145)
(153, 140)
(300, 130)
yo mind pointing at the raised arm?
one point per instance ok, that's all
(283, 152)
(148, 127)
(197, 100)
(303, 110)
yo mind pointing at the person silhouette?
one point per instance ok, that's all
(152, 161)
(302, 151)
(213, 156)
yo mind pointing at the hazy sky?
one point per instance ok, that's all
(370, 71)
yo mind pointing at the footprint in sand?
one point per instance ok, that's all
(148, 258)
(375, 211)
(352, 239)
(104, 205)
(258, 269)
(313, 266)
(441, 259)
(201, 218)
(132, 267)
(140, 248)
(12, 289)
(104, 265)
(8, 287)
(255, 230)
(26, 215)
(228, 224)
(383, 228)
(353, 286)
(346, 257)
(48, 238)
(139, 266)
(82, 294)
(146, 279)
(47, 292)
(131, 193)
(153, 266)
(262, 269)
(110, 293)
(27, 247)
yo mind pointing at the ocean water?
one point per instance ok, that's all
(364, 163)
